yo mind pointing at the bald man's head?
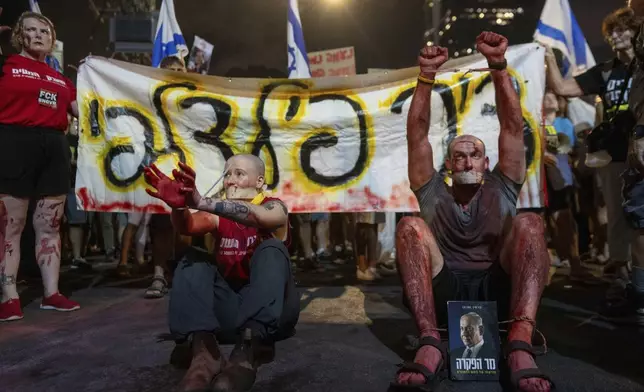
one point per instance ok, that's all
(244, 177)
(466, 160)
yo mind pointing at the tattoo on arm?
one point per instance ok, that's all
(237, 211)
(271, 205)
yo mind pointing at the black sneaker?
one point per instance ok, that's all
(81, 265)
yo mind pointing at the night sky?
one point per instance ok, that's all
(250, 35)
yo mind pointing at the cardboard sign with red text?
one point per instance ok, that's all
(334, 62)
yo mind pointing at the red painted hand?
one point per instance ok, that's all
(492, 46)
(165, 188)
(187, 176)
(431, 58)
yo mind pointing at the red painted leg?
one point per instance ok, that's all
(418, 256)
(525, 258)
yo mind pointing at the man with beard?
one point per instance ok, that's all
(469, 245)
(247, 294)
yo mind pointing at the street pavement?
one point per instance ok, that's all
(350, 338)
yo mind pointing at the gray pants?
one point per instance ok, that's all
(620, 233)
(202, 300)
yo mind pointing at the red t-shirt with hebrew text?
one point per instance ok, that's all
(236, 244)
(32, 94)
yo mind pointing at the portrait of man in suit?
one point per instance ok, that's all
(472, 333)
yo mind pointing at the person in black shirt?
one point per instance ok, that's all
(611, 81)
(630, 307)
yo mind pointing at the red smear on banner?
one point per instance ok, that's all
(90, 204)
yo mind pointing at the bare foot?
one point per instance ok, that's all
(519, 360)
(430, 357)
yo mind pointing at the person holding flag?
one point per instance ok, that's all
(34, 159)
(169, 40)
(608, 143)
(51, 60)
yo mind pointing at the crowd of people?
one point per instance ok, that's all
(468, 242)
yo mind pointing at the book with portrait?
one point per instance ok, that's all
(474, 345)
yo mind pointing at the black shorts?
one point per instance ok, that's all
(492, 284)
(561, 200)
(34, 162)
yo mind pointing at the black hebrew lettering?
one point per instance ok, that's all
(172, 148)
(149, 157)
(446, 92)
(324, 139)
(95, 126)
(223, 112)
(263, 138)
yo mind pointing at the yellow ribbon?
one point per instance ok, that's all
(257, 200)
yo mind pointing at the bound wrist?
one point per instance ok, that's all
(422, 78)
(497, 63)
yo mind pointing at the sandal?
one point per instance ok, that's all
(432, 379)
(153, 291)
(516, 377)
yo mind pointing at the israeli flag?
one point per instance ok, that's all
(169, 40)
(558, 29)
(298, 59)
(35, 7)
(51, 60)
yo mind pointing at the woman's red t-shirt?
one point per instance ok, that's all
(32, 94)
(236, 244)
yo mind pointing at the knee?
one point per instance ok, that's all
(47, 217)
(14, 224)
(271, 251)
(411, 227)
(3, 218)
(529, 225)
(194, 267)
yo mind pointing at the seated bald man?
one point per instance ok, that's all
(247, 293)
(469, 245)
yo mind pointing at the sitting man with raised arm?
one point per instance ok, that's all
(247, 293)
(469, 245)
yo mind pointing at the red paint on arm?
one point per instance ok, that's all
(511, 145)
(419, 150)
(196, 224)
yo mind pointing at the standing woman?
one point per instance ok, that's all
(34, 158)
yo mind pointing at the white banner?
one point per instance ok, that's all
(330, 144)
(334, 62)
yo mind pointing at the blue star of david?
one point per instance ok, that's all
(291, 53)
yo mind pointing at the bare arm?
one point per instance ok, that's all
(508, 106)
(74, 109)
(420, 159)
(568, 88)
(511, 144)
(194, 224)
(271, 215)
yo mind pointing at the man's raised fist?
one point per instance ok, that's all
(492, 46)
(431, 58)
